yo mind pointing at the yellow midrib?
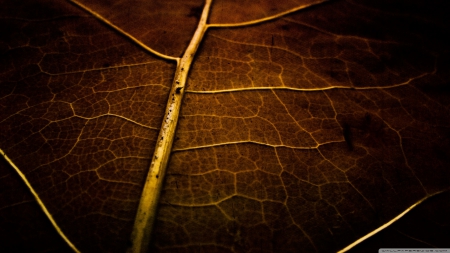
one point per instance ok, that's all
(148, 203)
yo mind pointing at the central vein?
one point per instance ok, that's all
(148, 204)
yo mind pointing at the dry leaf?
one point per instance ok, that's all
(304, 125)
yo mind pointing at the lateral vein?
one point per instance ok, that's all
(39, 201)
(131, 37)
(387, 224)
(262, 20)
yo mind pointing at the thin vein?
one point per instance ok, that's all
(39, 201)
(309, 89)
(117, 116)
(98, 69)
(16, 204)
(257, 21)
(251, 142)
(416, 239)
(217, 203)
(337, 35)
(388, 223)
(41, 20)
(104, 20)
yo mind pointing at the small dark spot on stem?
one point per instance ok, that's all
(177, 91)
(157, 176)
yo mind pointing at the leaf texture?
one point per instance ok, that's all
(301, 132)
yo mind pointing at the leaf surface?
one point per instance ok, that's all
(304, 131)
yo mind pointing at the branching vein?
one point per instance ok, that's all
(104, 20)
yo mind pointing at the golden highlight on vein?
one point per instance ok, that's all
(148, 204)
(39, 201)
(104, 20)
(262, 20)
(387, 224)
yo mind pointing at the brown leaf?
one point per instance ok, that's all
(304, 130)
